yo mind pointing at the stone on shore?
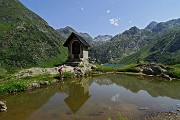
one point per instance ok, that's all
(36, 71)
(33, 85)
(3, 107)
(154, 70)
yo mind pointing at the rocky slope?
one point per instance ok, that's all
(120, 46)
(26, 39)
(101, 39)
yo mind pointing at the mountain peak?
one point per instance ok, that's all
(66, 31)
(134, 28)
(101, 39)
(132, 31)
(151, 25)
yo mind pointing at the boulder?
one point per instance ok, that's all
(157, 70)
(54, 81)
(44, 83)
(148, 71)
(66, 68)
(2, 106)
(152, 69)
(33, 85)
(79, 72)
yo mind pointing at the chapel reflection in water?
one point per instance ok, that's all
(78, 93)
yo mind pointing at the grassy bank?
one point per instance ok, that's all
(126, 68)
(174, 71)
(10, 84)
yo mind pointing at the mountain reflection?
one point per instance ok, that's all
(154, 86)
(103, 81)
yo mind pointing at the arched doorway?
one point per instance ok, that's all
(76, 49)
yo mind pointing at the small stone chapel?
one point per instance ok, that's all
(77, 48)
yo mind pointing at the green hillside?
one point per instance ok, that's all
(121, 46)
(27, 40)
(165, 50)
(158, 42)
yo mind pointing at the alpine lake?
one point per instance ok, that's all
(95, 98)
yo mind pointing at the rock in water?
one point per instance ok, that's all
(3, 107)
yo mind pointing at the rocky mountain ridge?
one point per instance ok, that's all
(141, 44)
(101, 39)
(65, 32)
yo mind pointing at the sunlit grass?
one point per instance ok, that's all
(126, 68)
(13, 86)
(119, 117)
(174, 72)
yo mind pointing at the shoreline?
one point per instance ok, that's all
(38, 85)
(150, 116)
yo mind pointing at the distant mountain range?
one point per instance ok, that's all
(26, 40)
(100, 39)
(158, 42)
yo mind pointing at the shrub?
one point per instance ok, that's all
(68, 74)
(81, 65)
(11, 87)
(88, 72)
(175, 73)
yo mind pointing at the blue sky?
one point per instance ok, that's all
(104, 16)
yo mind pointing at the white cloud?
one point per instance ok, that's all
(114, 21)
(108, 11)
(82, 8)
(130, 21)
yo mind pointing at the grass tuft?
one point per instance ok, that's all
(119, 117)
(11, 87)
(175, 72)
(126, 68)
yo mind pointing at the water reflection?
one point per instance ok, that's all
(21, 105)
(94, 98)
(78, 92)
(154, 86)
(103, 81)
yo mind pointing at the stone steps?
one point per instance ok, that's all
(74, 64)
